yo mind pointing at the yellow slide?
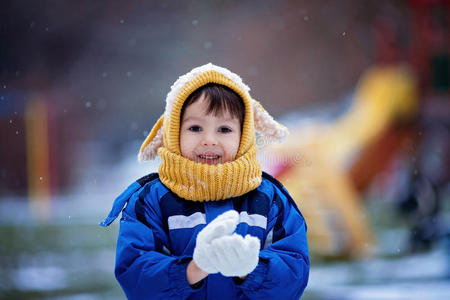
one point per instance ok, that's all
(319, 181)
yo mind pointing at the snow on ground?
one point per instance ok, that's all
(421, 276)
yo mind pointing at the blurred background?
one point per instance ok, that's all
(362, 85)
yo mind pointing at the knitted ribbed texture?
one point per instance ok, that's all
(201, 182)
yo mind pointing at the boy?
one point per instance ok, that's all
(210, 224)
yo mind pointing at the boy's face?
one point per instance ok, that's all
(207, 138)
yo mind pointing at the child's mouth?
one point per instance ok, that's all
(209, 158)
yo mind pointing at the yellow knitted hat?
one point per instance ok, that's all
(164, 140)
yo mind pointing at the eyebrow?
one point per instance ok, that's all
(191, 119)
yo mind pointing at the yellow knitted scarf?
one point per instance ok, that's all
(201, 182)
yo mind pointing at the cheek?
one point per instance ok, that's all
(184, 145)
(188, 144)
(233, 147)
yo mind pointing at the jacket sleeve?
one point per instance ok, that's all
(283, 268)
(143, 270)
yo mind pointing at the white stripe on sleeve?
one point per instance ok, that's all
(253, 220)
(180, 221)
(183, 222)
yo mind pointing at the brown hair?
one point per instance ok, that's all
(221, 98)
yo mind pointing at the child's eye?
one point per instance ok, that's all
(195, 128)
(224, 130)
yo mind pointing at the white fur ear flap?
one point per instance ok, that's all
(154, 140)
(266, 125)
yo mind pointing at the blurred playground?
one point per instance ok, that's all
(363, 87)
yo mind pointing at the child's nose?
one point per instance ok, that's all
(209, 139)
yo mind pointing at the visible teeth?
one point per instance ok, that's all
(208, 157)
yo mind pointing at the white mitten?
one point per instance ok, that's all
(223, 225)
(234, 255)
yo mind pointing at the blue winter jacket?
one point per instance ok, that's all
(157, 237)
